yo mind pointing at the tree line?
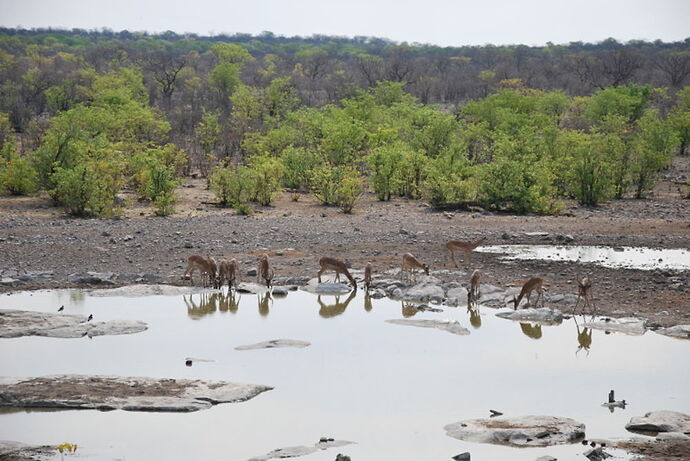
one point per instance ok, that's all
(86, 113)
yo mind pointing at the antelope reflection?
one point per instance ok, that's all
(409, 309)
(265, 302)
(367, 302)
(533, 330)
(333, 310)
(475, 318)
(584, 337)
(211, 302)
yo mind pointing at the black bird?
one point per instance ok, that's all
(188, 362)
(62, 308)
(90, 318)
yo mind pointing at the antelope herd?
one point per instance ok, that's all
(227, 272)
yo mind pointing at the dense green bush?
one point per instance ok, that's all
(298, 164)
(232, 186)
(90, 188)
(17, 175)
(384, 163)
(349, 190)
(266, 174)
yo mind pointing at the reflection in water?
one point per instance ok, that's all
(332, 310)
(367, 302)
(265, 301)
(584, 336)
(533, 330)
(77, 297)
(409, 309)
(211, 302)
(475, 318)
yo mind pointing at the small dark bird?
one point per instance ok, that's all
(62, 308)
(593, 444)
(188, 362)
(90, 318)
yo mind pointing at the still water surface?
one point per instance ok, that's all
(390, 388)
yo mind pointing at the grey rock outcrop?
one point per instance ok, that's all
(126, 393)
(275, 343)
(326, 288)
(16, 323)
(427, 291)
(542, 315)
(660, 421)
(628, 325)
(301, 450)
(678, 331)
(451, 326)
(535, 431)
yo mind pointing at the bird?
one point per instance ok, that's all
(188, 362)
(90, 318)
(62, 308)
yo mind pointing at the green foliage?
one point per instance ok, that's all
(628, 102)
(349, 190)
(298, 164)
(384, 163)
(652, 151)
(266, 173)
(17, 174)
(513, 185)
(412, 173)
(90, 188)
(232, 186)
(589, 176)
(449, 182)
(679, 119)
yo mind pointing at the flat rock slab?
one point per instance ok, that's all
(16, 323)
(525, 431)
(660, 421)
(136, 291)
(125, 393)
(451, 326)
(16, 451)
(253, 288)
(628, 325)
(275, 343)
(678, 331)
(326, 288)
(301, 450)
(542, 315)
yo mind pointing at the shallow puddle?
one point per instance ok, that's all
(389, 388)
(615, 257)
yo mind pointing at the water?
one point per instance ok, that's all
(389, 388)
(615, 257)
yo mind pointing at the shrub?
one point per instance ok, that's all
(233, 187)
(298, 165)
(324, 183)
(384, 163)
(88, 189)
(17, 175)
(411, 173)
(266, 174)
(349, 190)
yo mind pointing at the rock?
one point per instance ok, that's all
(678, 331)
(425, 291)
(672, 436)
(462, 456)
(451, 326)
(542, 315)
(125, 393)
(9, 281)
(11, 450)
(275, 343)
(251, 287)
(251, 273)
(326, 288)
(30, 276)
(280, 291)
(16, 323)
(92, 278)
(136, 291)
(301, 450)
(660, 421)
(535, 431)
(596, 454)
(628, 325)
(546, 458)
(341, 457)
(378, 294)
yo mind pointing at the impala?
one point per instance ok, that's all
(206, 266)
(338, 267)
(466, 247)
(535, 283)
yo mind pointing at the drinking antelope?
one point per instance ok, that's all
(535, 283)
(584, 291)
(265, 271)
(336, 265)
(206, 266)
(367, 276)
(410, 263)
(473, 291)
(227, 272)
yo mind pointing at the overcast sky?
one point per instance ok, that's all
(441, 22)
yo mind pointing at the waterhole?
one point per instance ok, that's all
(390, 388)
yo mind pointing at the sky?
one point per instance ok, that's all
(438, 22)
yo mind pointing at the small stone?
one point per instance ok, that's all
(462, 456)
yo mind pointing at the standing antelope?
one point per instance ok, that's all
(466, 247)
(535, 283)
(227, 272)
(367, 276)
(338, 266)
(265, 271)
(473, 291)
(584, 291)
(206, 266)
(410, 263)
